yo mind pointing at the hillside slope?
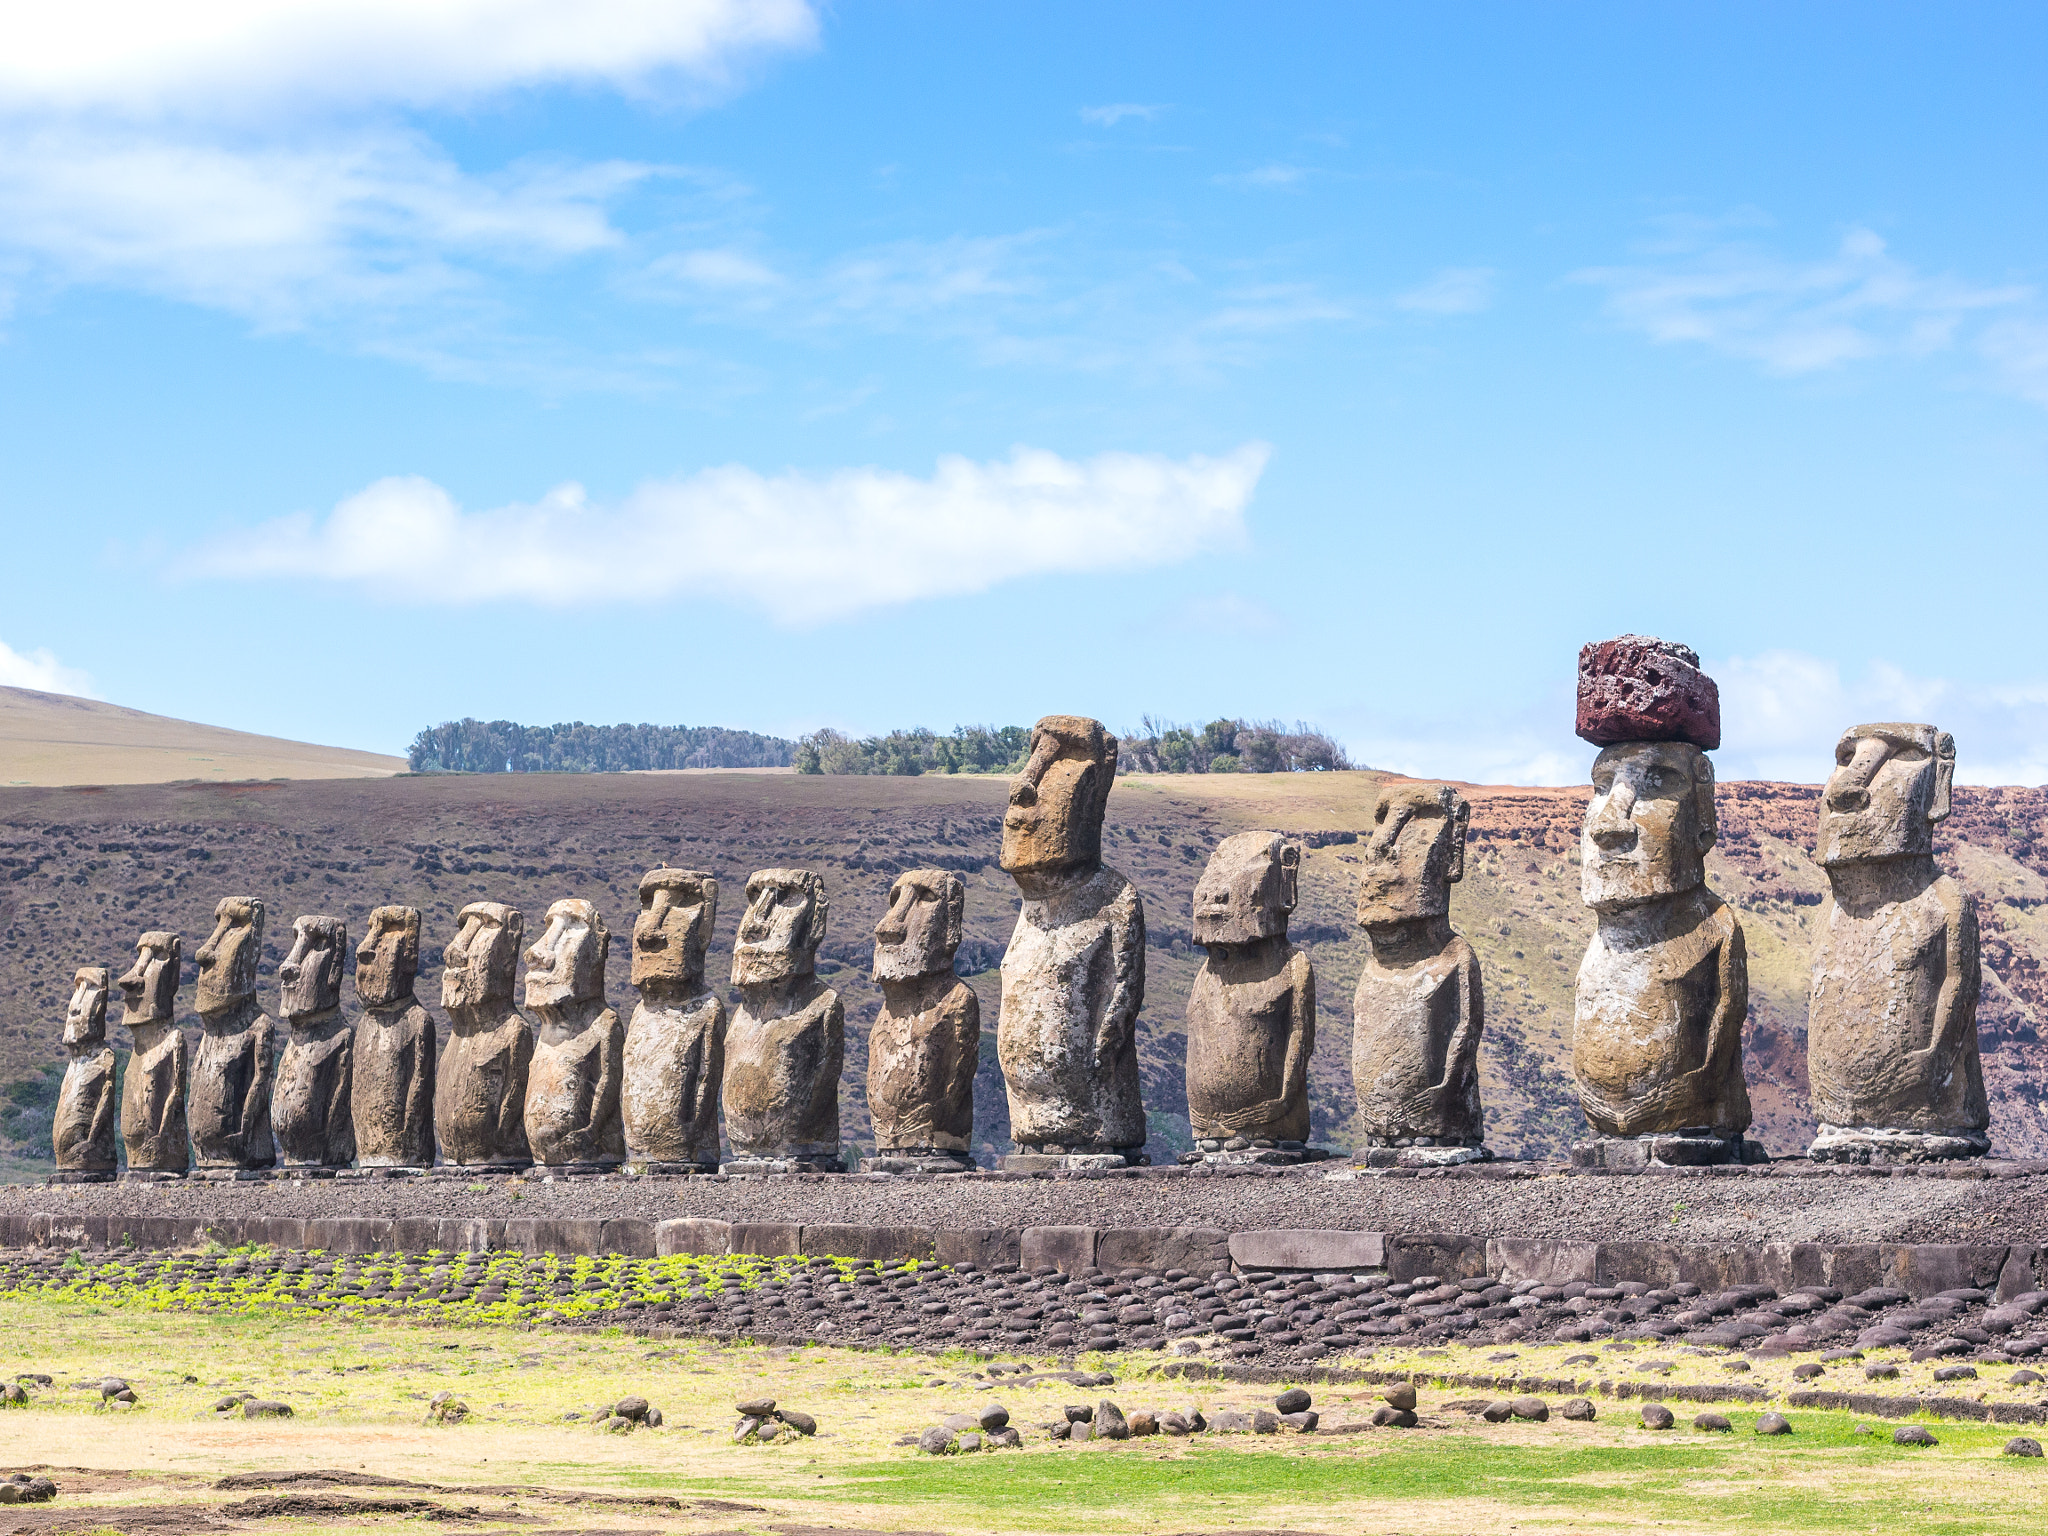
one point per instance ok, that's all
(52, 738)
(89, 868)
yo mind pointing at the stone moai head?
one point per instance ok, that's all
(388, 959)
(482, 959)
(1248, 889)
(781, 928)
(1890, 786)
(1415, 854)
(85, 1021)
(1649, 826)
(1055, 817)
(672, 934)
(309, 980)
(228, 958)
(150, 987)
(921, 930)
(566, 963)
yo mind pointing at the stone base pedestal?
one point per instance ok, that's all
(744, 1165)
(150, 1176)
(228, 1175)
(1690, 1149)
(1046, 1160)
(1882, 1144)
(1420, 1156)
(382, 1171)
(1237, 1152)
(308, 1171)
(571, 1170)
(473, 1170)
(647, 1169)
(918, 1160)
(84, 1176)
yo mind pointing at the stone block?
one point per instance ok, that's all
(1549, 1261)
(288, 1232)
(2022, 1271)
(767, 1239)
(18, 1231)
(1449, 1254)
(888, 1245)
(1848, 1267)
(1310, 1248)
(70, 1231)
(1636, 688)
(1198, 1250)
(1922, 1269)
(629, 1236)
(348, 1234)
(983, 1247)
(692, 1235)
(583, 1236)
(1067, 1249)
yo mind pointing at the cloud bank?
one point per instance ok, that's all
(803, 548)
(42, 671)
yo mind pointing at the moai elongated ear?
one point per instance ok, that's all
(1703, 799)
(956, 910)
(1461, 823)
(1944, 776)
(604, 941)
(710, 889)
(1290, 875)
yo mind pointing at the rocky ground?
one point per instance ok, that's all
(1783, 1202)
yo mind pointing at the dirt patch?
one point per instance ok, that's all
(301, 1505)
(129, 1520)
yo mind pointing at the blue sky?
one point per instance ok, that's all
(366, 365)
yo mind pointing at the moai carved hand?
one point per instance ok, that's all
(675, 1044)
(391, 1092)
(480, 1085)
(926, 1040)
(1252, 1009)
(572, 1087)
(153, 1126)
(1074, 974)
(82, 1132)
(234, 1071)
(315, 1127)
(1892, 1055)
(784, 1051)
(1420, 1009)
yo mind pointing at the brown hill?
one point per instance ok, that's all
(52, 738)
(89, 868)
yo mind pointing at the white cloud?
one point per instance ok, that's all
(42, 671)
(228, 59)
(1110, 116)
(1453, 291)
(1798, 317)
(1266, 176)
(804, 548)
(719, 270)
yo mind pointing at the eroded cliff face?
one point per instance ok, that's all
(84, 872)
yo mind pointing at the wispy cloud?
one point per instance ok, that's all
(1266, 177)
(41, 670)
(1116, 112)
(1797, 317)
(803, 548)
(1453, 291)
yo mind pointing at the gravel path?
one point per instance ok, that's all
(1987, 1203)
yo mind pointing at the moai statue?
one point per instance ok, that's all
(236, 1065)
(1891, 1026)
(1664, 988)
(572, 1088)
(311, 1113)
(675, 1045)
(1419, 1011)
(1252, 1009)
(783, 1052)
(392, 1094)
(153, 1129)
(926, 1040)
(1074, 974)
(480, 1084)
(82, 1134)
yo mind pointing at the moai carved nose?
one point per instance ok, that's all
(1850, 797)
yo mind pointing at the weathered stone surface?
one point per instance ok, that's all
(1664, 988)
(480, 1082)
(1198, 1250)
(1892, 1054)
(315, 1081)
(787, 1041)
(391, 1092)
(234, 1070)
(769, 1239)
(926, 1039)
(1451, 1255)
(983, 1247)
(888, 1245)
(1067, 1249)
(692, 1235)
(675, 1045)
(1308, 1248)
(153, 1125)
(573, 1082)
(1636, 688)
(1252, 1009)
(1074, 974)
(82, 1134)
(1420, 1008)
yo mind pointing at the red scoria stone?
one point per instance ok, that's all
(1637, 688)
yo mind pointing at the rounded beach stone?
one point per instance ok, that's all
(2021, 1445)
(1530, 1408)
(1657, 1416)
(1294, 1400)
(1638, 688)
(1773, 1424)
(257, 1408)
(1913, 1434)
(1578, 1409)
(1714, 1422)
(1400, 1395)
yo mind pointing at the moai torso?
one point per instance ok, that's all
(480, 1082)
(785, 1048)
(1892, 1016)
(1074, 974)
(234, 1069)
(153, 1126)
(82, 1133)
(572, 1086)
(391, 1093)
(1252, 1009)
(311, 1116)
(926, 1041)
(675, 1044)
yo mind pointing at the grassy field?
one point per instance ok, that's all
(360, 1390)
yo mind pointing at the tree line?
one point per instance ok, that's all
(502, 746)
